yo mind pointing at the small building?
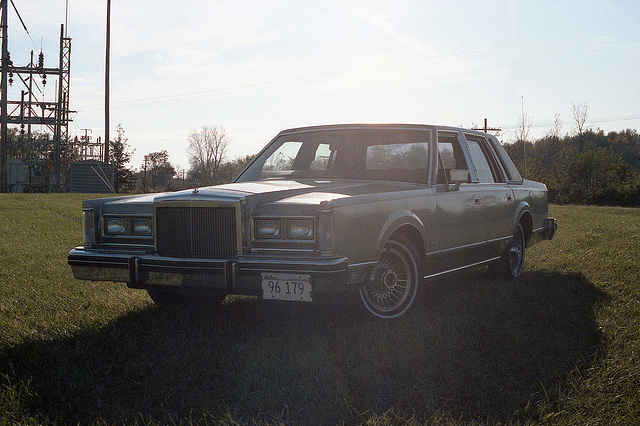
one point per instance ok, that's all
(17, 175)
(25, 176)
(91, 176)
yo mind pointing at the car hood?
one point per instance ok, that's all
(285, 191)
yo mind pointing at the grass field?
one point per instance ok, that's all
(561, 346)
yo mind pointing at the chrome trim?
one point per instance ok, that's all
(125, 247)
(141, 270)
(263, 250)
(484, 262)
(499, 240)
(455, 249)
(363, 265)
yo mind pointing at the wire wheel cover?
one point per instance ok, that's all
(516, 252)
(392, 280)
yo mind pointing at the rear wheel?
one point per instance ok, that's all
(393, 284)
(512, 261)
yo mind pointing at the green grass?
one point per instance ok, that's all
(561, 346)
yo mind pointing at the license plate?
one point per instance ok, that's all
(294, 287)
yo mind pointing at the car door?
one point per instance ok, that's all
(498, 197)
(459, 213)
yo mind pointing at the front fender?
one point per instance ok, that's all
(397, 220)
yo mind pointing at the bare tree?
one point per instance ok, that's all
(556, 130)
(579, 113)
(207, 149)
(523, 129)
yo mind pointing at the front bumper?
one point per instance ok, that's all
(224, 276)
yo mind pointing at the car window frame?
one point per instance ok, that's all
(495, 166)
(462, 142)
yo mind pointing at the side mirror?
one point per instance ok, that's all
(458, 177)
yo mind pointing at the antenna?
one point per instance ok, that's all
(524, 139)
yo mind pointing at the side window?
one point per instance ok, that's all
(405, 162)
(487, 167)
(397, 156)
(450, 157)
(323, 158)
(480, 162)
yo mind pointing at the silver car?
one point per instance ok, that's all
(370, 209)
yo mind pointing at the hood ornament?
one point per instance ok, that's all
(195, 188)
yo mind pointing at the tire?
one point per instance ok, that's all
(393, 284)
(512, 261)
(168, 298)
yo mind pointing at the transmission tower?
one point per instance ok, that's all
(29, 109)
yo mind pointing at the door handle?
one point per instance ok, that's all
(508, 197)
(477, 199)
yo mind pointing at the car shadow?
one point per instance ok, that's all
(476, 347)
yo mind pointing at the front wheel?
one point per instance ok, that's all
(393, 284)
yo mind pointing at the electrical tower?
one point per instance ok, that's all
(29, 109)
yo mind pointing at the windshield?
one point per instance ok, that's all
(369, 154)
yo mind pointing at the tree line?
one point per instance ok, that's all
(207, 149)
(590, 167)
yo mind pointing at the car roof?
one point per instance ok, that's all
(362, 126)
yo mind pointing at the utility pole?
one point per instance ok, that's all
(4, 185)
(106, 85)
(144, 177)
(486, 128)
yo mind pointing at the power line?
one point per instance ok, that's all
(313, 79)
(23, 24)
(593, 121)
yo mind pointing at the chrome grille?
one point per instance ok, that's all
(198, 232)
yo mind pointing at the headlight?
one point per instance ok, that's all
(300, 229)
(88, 227)
(140, 226)
(115, 225)
(267, 228)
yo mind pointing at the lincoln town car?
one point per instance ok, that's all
(374, 210)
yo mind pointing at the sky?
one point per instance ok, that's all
(257, 67)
